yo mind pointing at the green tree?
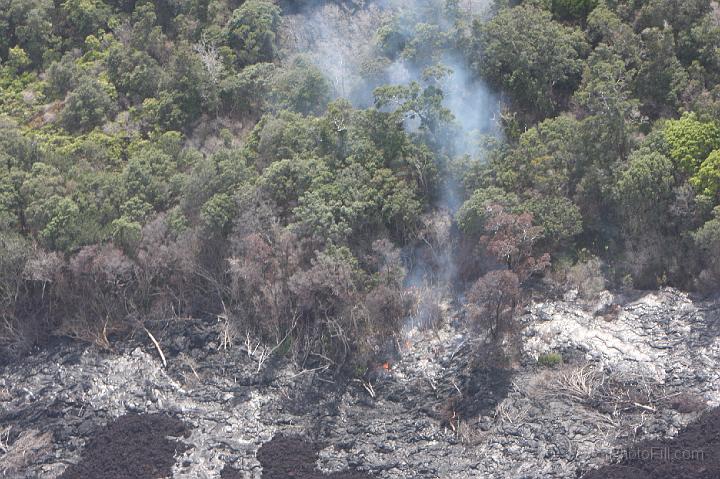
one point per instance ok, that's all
(701, 43)
(62, 229)
(301, 87)
(604, 26)
(661, 78)
(546, 158)
(691, 141)
(475, 211)
(18, 60)
(133, 72)
(644, 191)
(251, 31)
(707, 179)
(153, 172)
(10, 206)
(559, 217)
(126, 232)
(247, 92)
(415, 102)
(285, 181)
(85, 17)
(335, 210)
(679, 14)
(41, 189)
(62, 76)
(28, 24)
(426, 44)
(281, 136)
(390, 38)
(218, 212)
(536, 60)
(189, 89)
(572, 9)
(87, 106)
(611, 112)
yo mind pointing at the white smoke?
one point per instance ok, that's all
(342, 43)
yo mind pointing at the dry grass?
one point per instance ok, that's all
(578, 383)
(189, 370)
(27, 448)
(588, 386)
(84, 331)
(506, 414)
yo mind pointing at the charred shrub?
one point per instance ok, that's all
(492, 301)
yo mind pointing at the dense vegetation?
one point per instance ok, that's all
(167, 159)
(611, 133)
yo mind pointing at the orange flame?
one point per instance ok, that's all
(386, 366)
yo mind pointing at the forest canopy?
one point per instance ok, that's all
(174, 158)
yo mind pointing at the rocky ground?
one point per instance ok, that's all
(591, 380)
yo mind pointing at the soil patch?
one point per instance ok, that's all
(288, 457)
(132, 447)
(693, 454)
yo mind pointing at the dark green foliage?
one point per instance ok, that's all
(680, 14)
(611, 111)
(189, 90)
(536, 60)
(630, 169)
(644, 188)
(301, 88)
(62, 76)
(84, 17)
(572, 9)
(248, 90)
(661, 77)
(133, 72)
(559, 217)
(87, 106)
(164, 158)
(28, 24)
(251, 31)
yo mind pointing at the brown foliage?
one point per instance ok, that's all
(321, 302)
(510, 238)
(260, 272)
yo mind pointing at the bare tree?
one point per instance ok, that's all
(493, 299)
(210, 58)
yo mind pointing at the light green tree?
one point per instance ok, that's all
(707, 179)
(691, 141)
(63, 226)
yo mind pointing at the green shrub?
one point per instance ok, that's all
(550, 360)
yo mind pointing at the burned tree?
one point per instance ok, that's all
(493, 299)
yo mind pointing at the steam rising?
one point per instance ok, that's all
(341, 40)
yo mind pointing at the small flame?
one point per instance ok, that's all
(386, 366)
